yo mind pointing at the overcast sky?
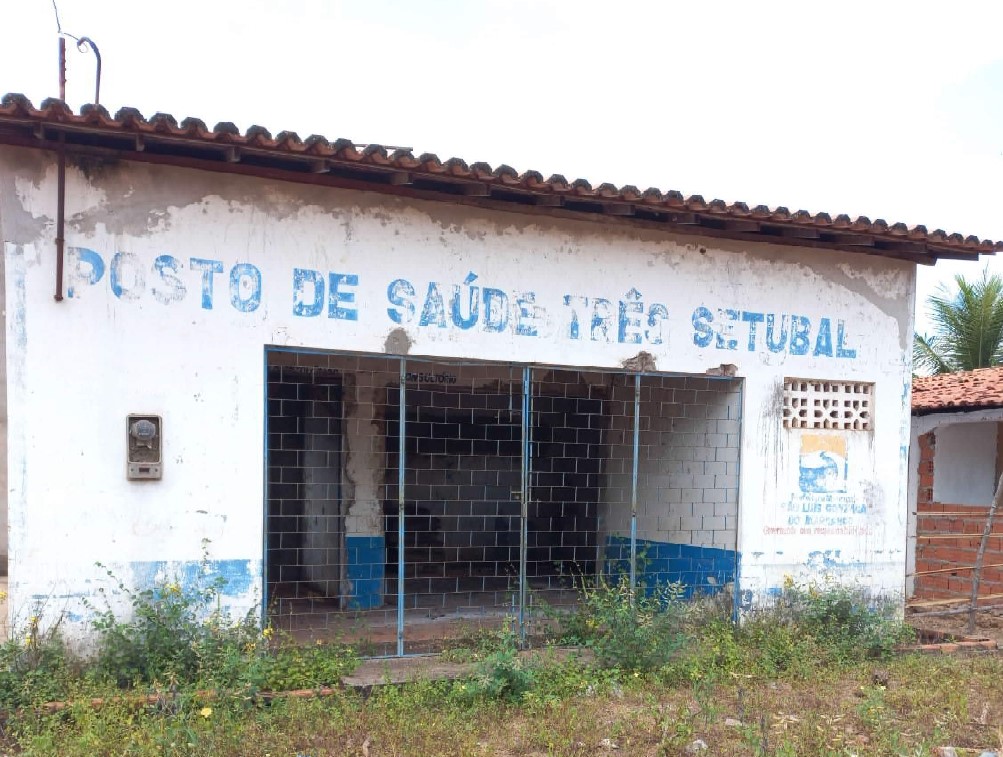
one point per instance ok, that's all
(891, 110)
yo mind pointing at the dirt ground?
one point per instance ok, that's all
(988, 624)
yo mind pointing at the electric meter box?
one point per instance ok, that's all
(144, 447)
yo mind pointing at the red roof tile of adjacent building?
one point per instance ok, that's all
(317, 160)
(954, 392)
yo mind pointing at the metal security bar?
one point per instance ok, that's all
(414, 502)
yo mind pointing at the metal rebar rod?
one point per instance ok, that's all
(527, 387)
(401, 451)
(633, 484)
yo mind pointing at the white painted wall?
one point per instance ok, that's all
(965, 464)
(147, 336)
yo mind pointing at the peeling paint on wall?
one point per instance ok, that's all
(180, 278)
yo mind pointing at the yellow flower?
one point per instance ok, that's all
(3, 596)
(268, 633)
(27, 640)
(173, 588)
(205, 712)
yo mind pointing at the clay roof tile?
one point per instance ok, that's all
(95, 112)
(130, 117)
(53, 106)
(288, 139)
(506, 172)
(165, 122)
(558, 183)
(257, 134)
(17, 103)
(17, 107)
(981, 388)
(531, 178)
(194, 126)
(227, 128)
(345, 148)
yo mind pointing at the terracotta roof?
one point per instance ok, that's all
(954, 392)
(341, 162)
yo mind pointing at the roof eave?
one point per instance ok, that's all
(129, 136)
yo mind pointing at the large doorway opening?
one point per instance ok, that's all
(509, 489)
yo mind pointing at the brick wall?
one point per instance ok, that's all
(953, 556)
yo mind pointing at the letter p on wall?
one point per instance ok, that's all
(84, 268)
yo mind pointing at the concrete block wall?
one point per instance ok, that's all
(305, 522)
(327, 475)
(688, 472)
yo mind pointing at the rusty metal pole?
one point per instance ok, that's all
(61, 180)
(980, 556)
(62, 69)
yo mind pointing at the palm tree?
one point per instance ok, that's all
(968, 321)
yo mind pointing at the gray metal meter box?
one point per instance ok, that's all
(144, 445)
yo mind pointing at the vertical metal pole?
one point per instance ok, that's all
(62, 68)
(737, 591)
(401, 431)
(527, 375)
(633, 484)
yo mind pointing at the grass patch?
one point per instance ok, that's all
(812, 675)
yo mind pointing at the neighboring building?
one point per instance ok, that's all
(957, 454)
(583, 371)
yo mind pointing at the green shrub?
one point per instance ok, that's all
(35, 667)
(175, 634)
(627, 629)
(812, 626)
(290, 665)
(179, 637)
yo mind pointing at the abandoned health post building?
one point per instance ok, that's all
(400, 397)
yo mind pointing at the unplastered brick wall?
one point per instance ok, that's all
(948, 537)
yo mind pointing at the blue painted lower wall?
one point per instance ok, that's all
(701, 570)
(366, 559)
(231, 578)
